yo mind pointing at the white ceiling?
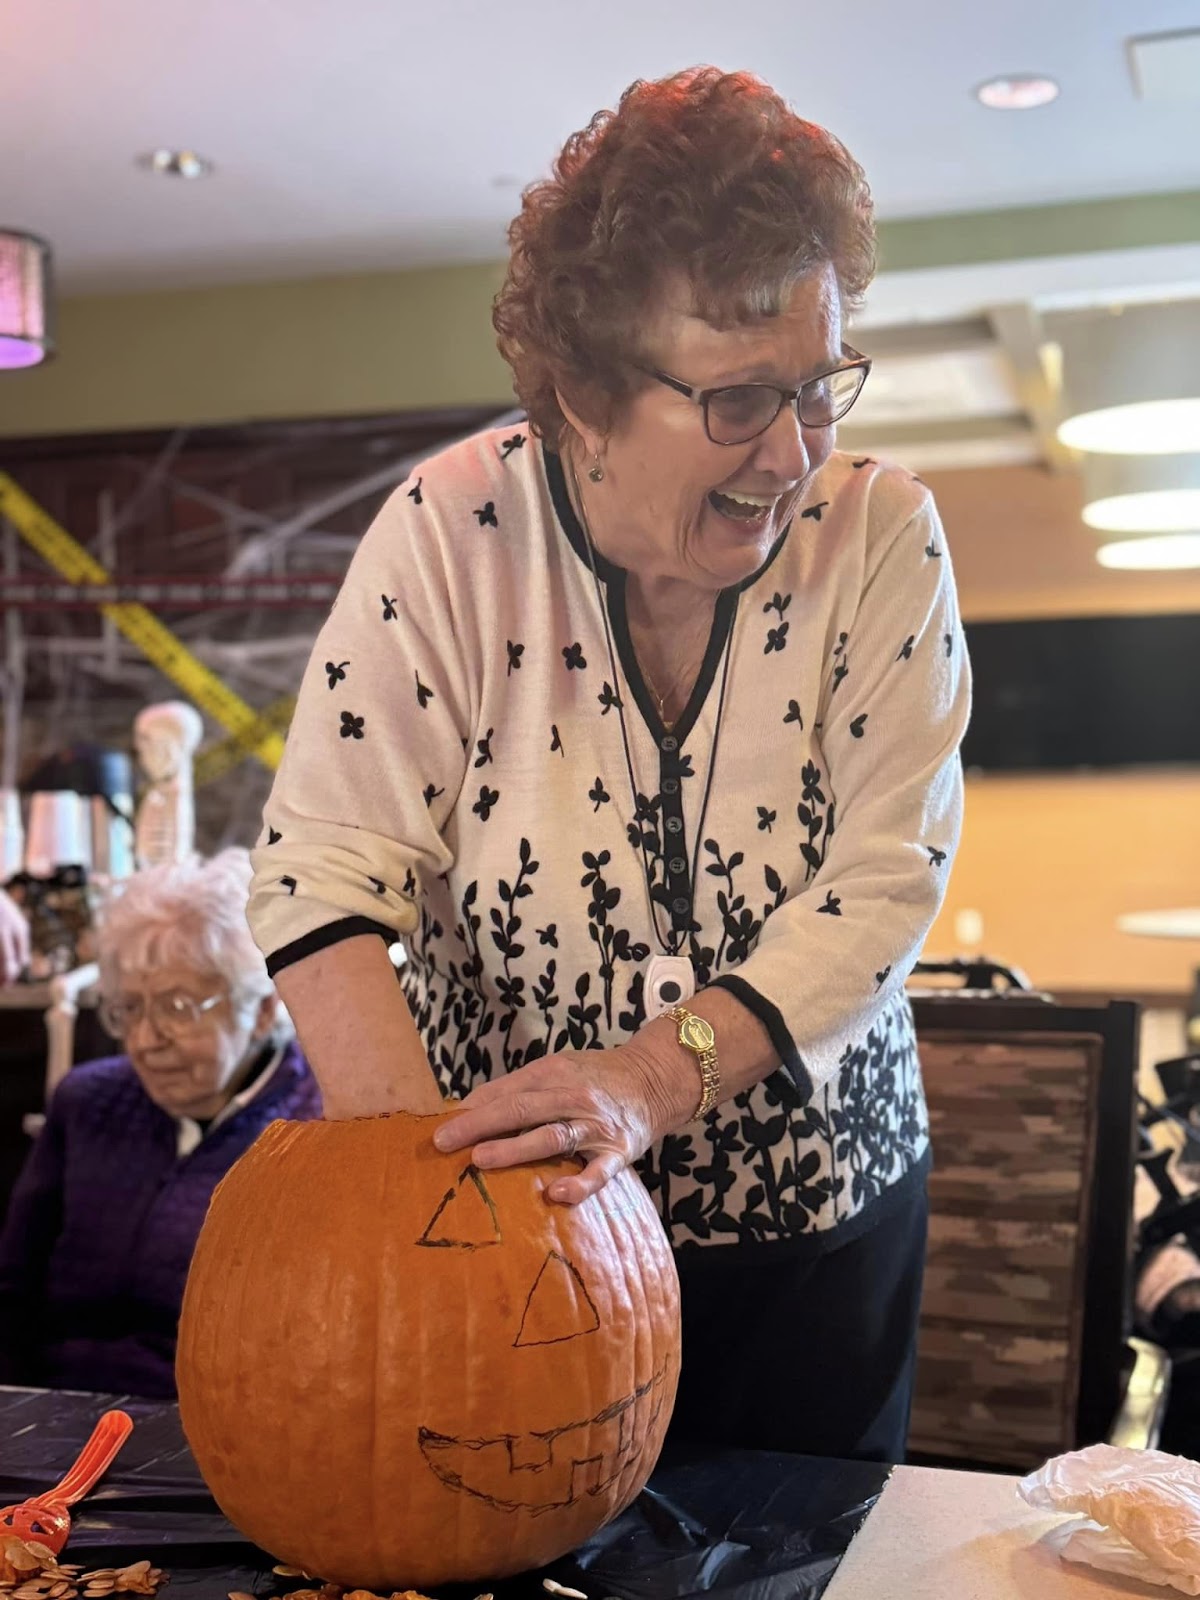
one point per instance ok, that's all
(371, 133)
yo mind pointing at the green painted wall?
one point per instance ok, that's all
(403, 340)
(311, 347)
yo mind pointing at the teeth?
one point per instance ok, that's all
(759, 501)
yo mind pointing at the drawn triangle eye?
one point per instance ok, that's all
(559, 1307)
(465, 1218)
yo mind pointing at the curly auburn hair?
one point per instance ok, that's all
(705, 177)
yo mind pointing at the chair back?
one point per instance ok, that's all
(1026, 1302)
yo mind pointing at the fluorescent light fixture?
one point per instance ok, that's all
(1131, 379)
(1165, 552)
(1142, 494)
(1017, 91)
(1155, 511)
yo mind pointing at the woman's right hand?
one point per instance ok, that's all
(14, 940)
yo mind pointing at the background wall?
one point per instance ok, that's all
(1051, 861)
(392, 341)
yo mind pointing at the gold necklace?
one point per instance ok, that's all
(575, 495)
(660, 699)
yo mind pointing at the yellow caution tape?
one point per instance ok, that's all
(222, 757)
(140, 626)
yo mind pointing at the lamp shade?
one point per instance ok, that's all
(1142, 494)
(26, 334)
(1131, 379)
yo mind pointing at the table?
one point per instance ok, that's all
(1183, 923)
(966, 1536)
(743, 1525)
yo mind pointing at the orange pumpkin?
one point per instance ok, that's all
(396, 1370)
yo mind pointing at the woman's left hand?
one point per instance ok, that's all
(606, 1106)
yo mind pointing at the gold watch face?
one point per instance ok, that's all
(696, 1034)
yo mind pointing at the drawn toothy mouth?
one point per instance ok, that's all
(546, 1471)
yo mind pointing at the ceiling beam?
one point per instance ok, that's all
(927, 338)
(1019, 332)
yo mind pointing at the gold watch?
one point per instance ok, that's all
(697, 1036)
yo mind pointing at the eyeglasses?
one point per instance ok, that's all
(738, 412)
(168, 1014)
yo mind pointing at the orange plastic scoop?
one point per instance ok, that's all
(44, 1518)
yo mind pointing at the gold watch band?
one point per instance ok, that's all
(696, 1035)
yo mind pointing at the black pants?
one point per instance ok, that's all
(800, 1353)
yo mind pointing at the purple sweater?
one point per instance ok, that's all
(102, 1224)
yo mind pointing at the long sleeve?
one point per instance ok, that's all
(375, 757)
(30, 1230)
(883, 819)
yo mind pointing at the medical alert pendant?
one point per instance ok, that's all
(670, 981)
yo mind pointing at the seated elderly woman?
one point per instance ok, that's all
(96, 1247)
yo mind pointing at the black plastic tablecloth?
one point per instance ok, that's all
(740, 1524)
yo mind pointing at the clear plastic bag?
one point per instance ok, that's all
(1140, 1511)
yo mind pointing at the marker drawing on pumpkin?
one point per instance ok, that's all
(465, 1218)
(539, 1472)
(559, 1307)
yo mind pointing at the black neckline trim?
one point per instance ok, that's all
(615, 581)
(607, 570)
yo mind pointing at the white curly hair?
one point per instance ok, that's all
(189, 913)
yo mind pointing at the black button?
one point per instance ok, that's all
(677, 865)
(671, 992)
(670, 744)
(681, 905)
(674, 824)
(670, 786)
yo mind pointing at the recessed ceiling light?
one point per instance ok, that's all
(1017, 91)
(176, 163)
(1167, 552)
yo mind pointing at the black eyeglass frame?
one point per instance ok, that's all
(701, 397)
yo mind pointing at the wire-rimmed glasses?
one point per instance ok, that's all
(169, 1014)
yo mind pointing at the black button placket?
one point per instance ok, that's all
(675, 863)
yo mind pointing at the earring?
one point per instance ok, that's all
(596, 471)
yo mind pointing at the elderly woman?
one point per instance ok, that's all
(104, 1218)
(640, 725)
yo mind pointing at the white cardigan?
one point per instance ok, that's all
(456, 775)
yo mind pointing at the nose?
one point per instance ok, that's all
(141, 1029)
(784, 450)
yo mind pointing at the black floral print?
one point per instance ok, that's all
(573, 656)
(487, 799)
(352, 726)
(815, 815)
